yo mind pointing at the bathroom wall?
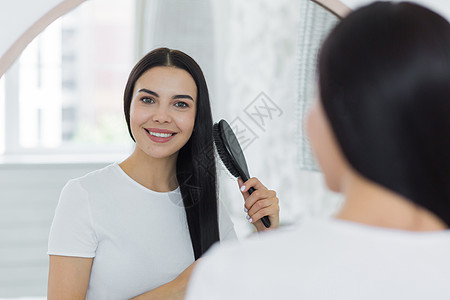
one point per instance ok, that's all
(28, 197)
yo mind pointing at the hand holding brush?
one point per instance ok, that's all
(260, 203)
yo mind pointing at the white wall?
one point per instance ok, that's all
(17, 16)
(22, 20)
(28, 197)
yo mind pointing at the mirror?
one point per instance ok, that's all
(259, 62)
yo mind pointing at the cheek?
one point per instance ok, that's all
(137, 117)
(187, 121)
(312, 130)
(324, 148)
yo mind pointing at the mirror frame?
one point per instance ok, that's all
(334, 6)
(14, 51)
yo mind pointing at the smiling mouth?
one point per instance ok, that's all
(160, 134)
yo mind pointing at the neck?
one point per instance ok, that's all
(372, 204)
(156, 174)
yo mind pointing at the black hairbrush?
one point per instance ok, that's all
(231, 154)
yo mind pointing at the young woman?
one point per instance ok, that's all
(381, 133)
(136, 228)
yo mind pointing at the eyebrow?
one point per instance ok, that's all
(174, 97)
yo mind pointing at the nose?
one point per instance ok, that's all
(162, 115)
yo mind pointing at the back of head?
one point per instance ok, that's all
(384, 76)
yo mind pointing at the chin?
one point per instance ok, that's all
(332, 183)
(160, 155)
(333, 188)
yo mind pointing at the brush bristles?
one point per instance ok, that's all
(223, 153)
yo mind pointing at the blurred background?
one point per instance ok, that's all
(61, 108)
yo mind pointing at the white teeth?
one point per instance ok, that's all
(160, 134)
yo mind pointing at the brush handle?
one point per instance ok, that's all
(264, 219)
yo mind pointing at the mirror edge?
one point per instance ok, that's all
(336, 7)
(23, 40)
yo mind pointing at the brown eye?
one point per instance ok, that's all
(147, 100)
(181, 104)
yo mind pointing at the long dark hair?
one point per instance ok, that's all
(384, 76)
(196, 166)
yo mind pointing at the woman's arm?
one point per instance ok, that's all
(173, 290)
(262, 202)
(68, 277)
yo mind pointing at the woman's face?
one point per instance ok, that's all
(162, 111)
(325, 147)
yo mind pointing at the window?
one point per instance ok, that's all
(64, 93)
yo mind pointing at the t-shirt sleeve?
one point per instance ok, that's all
(226, 226)
(72, 232)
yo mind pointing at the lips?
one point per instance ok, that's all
(159, 135)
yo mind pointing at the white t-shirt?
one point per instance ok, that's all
(327, 259)
(139, 238)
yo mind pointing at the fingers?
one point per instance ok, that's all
(252, 182)
(260, 204)
(242, 188)
(259, 195)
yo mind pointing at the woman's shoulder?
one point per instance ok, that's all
(95, 176)
(92, 180)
